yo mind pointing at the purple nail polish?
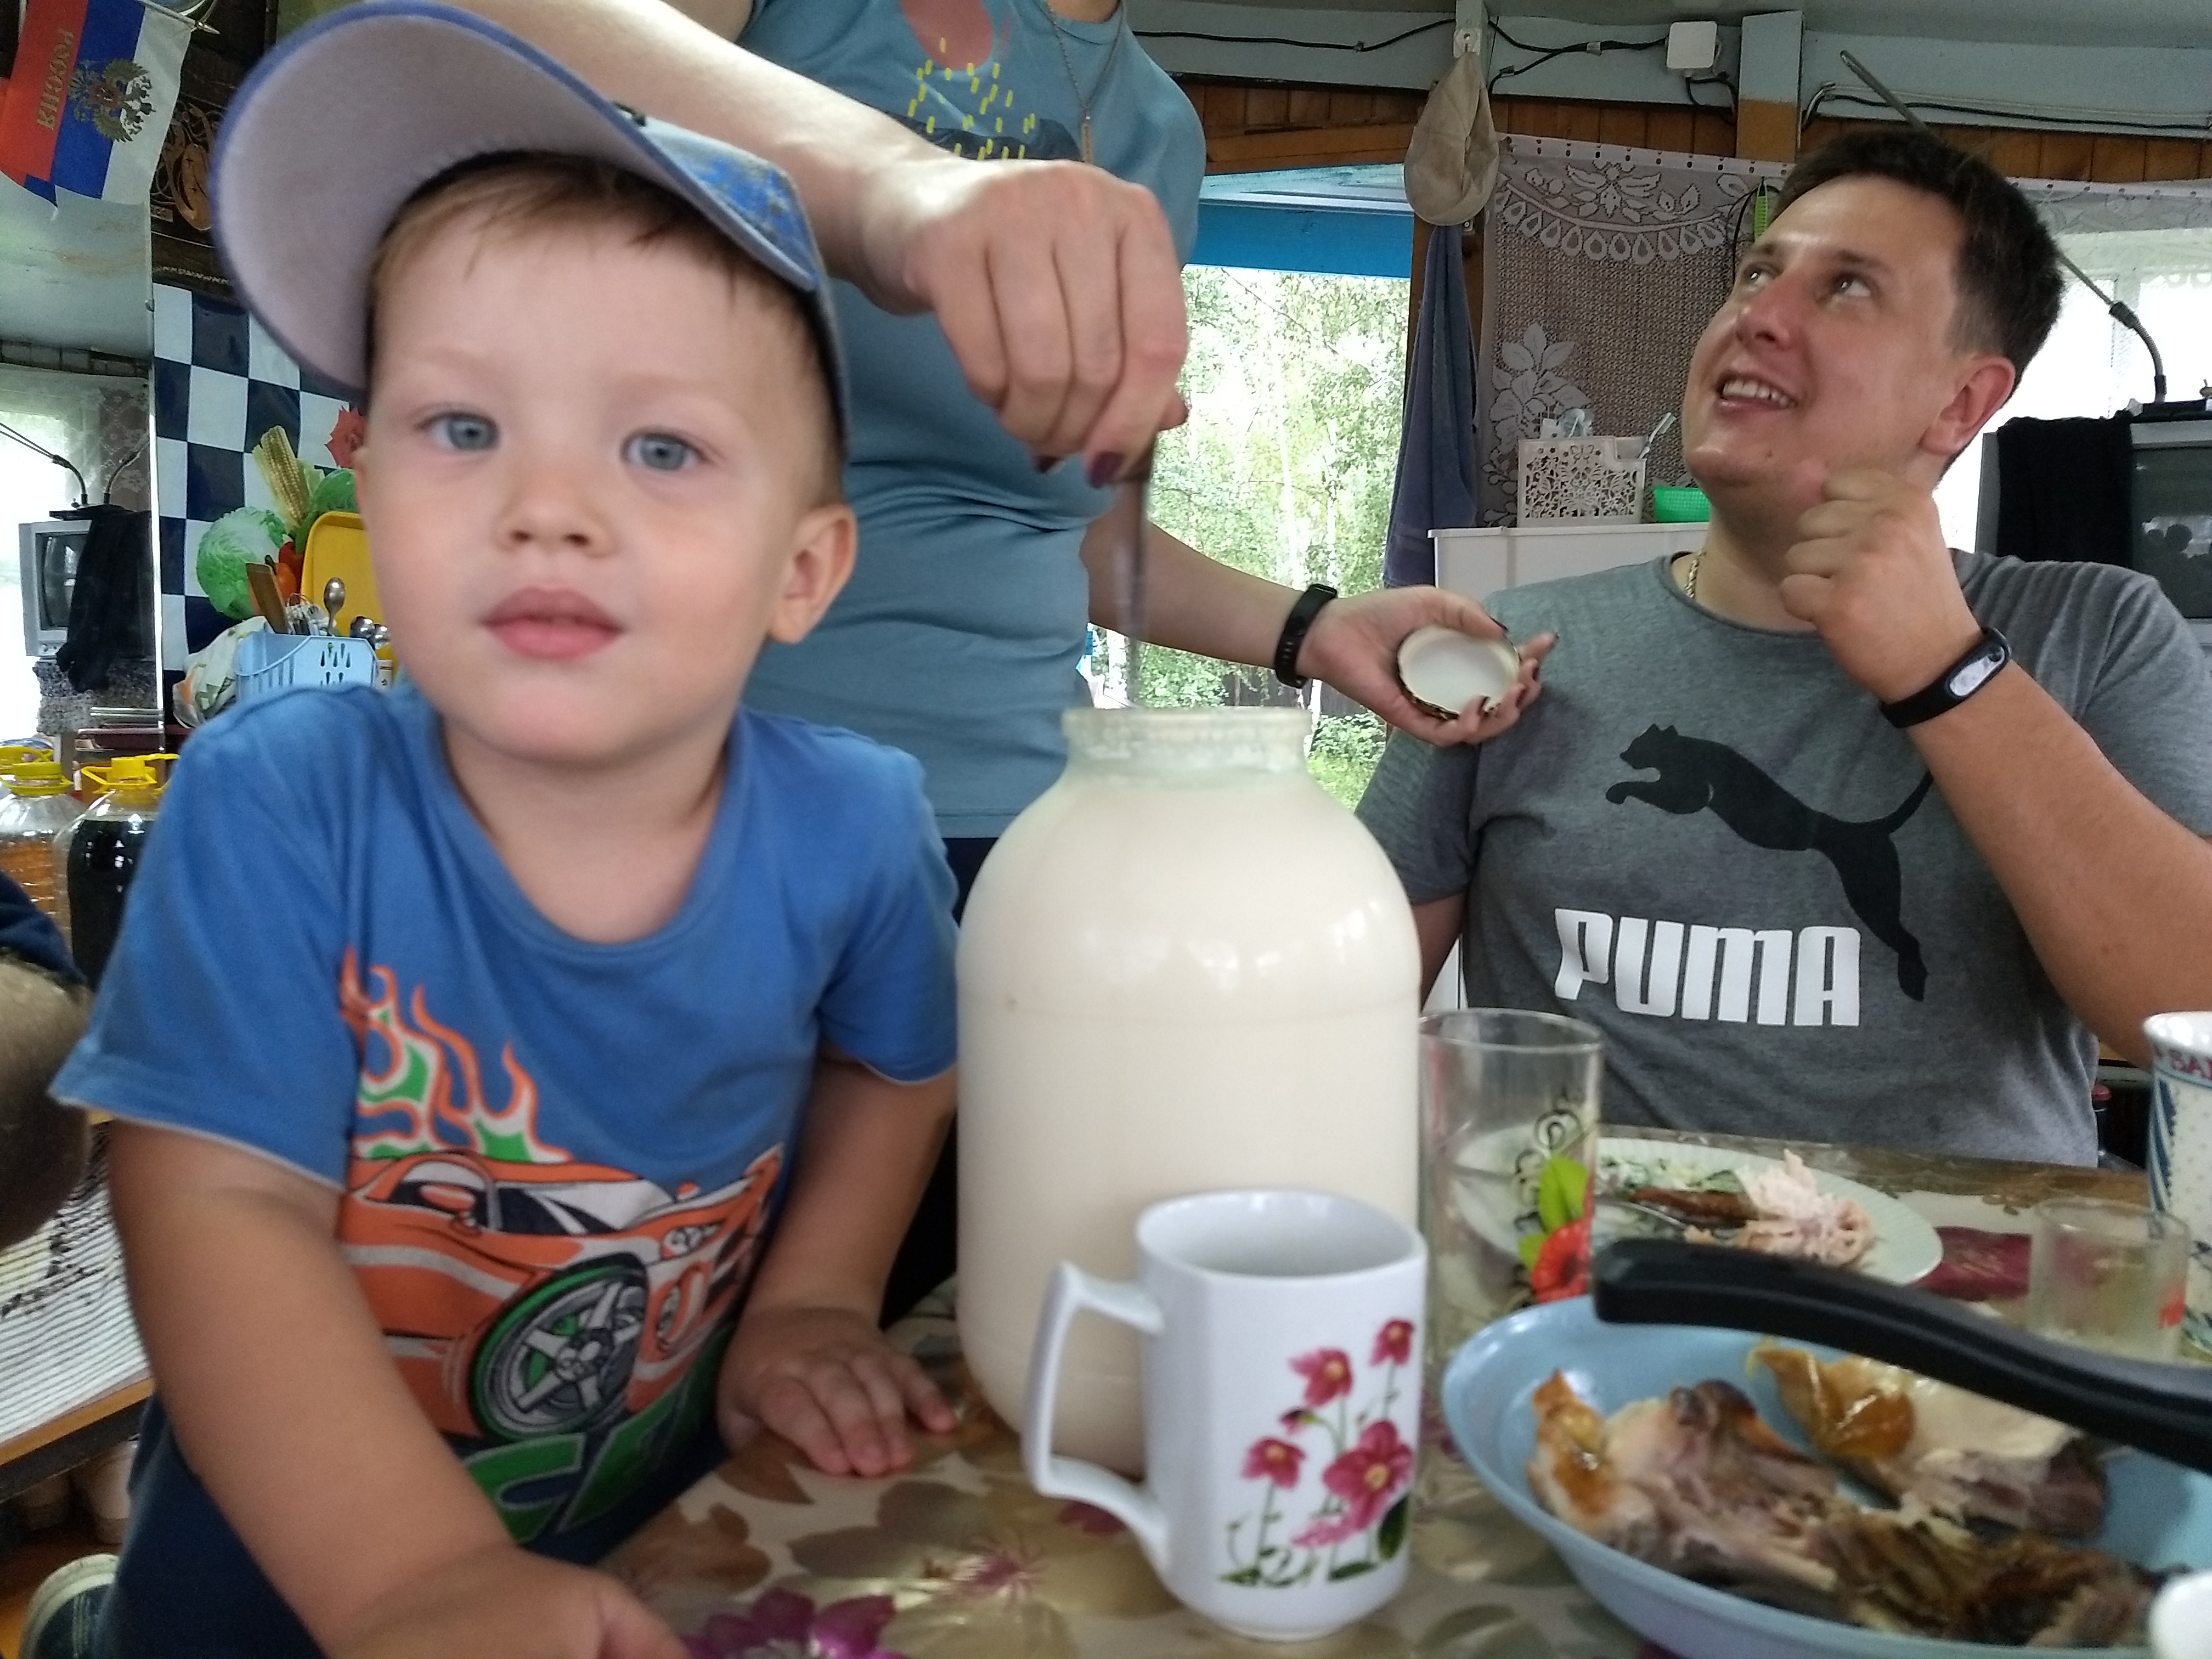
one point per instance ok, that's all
(1103, 469)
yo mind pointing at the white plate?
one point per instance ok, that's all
(1905, 1248)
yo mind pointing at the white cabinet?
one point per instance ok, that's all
(1480, 562)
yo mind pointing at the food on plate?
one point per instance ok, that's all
(1697, 1483)
(1963, 1457)
(1777, 1209)
(1705, 1207)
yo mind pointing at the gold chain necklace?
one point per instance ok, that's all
(1068, 64)
(1690, 584)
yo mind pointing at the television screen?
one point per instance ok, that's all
(2171, 495)
(50, 553)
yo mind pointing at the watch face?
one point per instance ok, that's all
(1971, 675)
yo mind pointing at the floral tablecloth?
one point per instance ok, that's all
(957, 1557)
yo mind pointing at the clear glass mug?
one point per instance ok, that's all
(1509, 1136)
(2109, 1276)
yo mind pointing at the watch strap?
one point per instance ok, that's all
(1293, 635)
(1955, 684)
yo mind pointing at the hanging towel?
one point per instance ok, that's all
(112, 606)
(1437, 483)
(2063, 490)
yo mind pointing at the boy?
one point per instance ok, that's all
(463, 1035)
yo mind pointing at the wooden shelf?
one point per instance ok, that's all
(64, 1442)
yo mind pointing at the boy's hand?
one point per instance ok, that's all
(825, 1379)
(505, 1600)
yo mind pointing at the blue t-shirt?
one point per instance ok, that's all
(958, 637)
(557, 1159)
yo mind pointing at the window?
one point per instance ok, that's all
(2091, 365)
(1294, 380)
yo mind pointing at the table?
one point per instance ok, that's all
(966, 1561)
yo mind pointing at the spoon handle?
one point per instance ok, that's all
(2163, 1409)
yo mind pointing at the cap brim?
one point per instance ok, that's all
(338, 126)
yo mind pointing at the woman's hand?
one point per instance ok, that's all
(825, 1380)
(1057, 286)
(1353, 645)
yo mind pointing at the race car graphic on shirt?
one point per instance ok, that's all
(521, 1293)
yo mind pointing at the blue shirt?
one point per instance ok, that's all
(958, 637)
(557, 1160)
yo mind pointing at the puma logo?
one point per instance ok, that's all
(1696, 776)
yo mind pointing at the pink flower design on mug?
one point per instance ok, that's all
(1327, 1372)
(1394, 1343)
(1369, 1473)
(1274, 1460)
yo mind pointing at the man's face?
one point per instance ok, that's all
(1834, 348)
(589, 490)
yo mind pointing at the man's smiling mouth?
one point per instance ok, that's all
(1741, 388)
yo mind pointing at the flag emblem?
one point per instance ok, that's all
(117, 99)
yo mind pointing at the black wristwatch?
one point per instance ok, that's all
(1955, 684)
(1294, 633)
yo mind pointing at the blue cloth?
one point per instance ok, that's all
(958, 637)
(552, 1153)
(27, 931)
(1439, 484)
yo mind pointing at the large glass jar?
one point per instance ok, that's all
(1184, 968)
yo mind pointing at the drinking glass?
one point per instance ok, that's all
(1508, 1134)
(2108, 1275)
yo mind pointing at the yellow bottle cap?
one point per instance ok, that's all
(36, 777)
(134, 773)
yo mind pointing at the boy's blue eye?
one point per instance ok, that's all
(660, 452)
(464, 432)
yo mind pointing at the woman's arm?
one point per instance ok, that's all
(1056, 283)
(1192, 603)
(285, 1404)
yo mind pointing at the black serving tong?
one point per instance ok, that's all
(2163, 1409)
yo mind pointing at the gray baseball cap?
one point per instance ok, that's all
(341, 123)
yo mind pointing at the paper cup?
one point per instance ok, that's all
(2181, 1149)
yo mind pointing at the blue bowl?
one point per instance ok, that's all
(2160, 1515)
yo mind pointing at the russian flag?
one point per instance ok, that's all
(89, 107)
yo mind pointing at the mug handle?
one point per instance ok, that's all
(1071, 1292)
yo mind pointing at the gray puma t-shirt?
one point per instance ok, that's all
(1704, 840)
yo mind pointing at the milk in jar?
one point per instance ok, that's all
(1184, 968)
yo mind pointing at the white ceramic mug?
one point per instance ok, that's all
(2181, 1149)
(2181, 1619)
(1282, 1397)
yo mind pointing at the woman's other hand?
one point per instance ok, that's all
(1353, 645)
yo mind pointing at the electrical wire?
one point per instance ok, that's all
(1716, 79)
(1286, 40)
(1546, 54)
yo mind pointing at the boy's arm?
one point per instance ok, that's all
(807, 1360)
(1057, 284)
(286, 1407)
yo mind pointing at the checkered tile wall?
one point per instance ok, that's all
(219, 382)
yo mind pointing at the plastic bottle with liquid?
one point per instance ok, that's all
(39, 808)
(100, 853)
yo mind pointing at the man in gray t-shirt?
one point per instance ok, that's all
(1777, 825)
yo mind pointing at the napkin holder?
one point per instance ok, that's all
(1597, 480)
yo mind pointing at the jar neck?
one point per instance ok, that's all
(1190, 742)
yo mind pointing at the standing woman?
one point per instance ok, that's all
(983, 558)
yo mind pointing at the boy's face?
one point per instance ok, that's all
(591, 489)
(1836, 348)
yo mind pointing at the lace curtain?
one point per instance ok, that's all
(1602, 265)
